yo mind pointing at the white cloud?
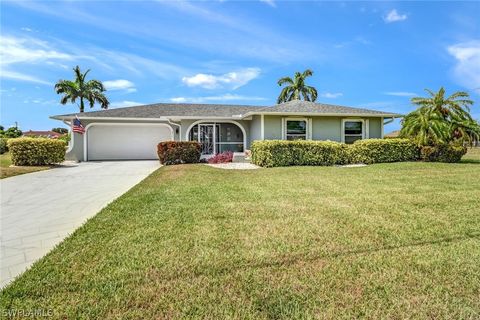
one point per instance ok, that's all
(330, 95)
(257, 39)
(120, 84)
(41, 101)
(233, 80)
(394, 16)
(22, 77)
(271, 3)
(219, 98)
(26, 29)
(401, 94)
(467, 67)
(123, 104)
(33, 54)
(21, 50)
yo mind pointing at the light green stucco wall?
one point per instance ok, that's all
(255, 129)
(273, 127)
(323, 128)
(327, 128)
(375, 127)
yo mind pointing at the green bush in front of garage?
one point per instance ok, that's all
(178, 152)
(36, 151)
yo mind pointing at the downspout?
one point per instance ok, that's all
(175, 124)
(70, 143)
(383, 125)
(388, 121)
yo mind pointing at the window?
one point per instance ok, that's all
(353, 130)
(296, 130)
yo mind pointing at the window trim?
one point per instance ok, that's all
(307, 128)
(353, 135)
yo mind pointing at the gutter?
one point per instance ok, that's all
(174, 124)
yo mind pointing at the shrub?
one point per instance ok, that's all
(223, 157)
(442, 153)
(279, 153)
(383, 150)
(177, 152)
(36, 152)
(12, 132)
(3, 146)
(66, 137)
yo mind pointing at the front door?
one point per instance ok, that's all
(206, 138)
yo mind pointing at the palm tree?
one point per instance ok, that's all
(296, 88)
(455, 104)
(441, 119)
(425, 127)
(90, 91)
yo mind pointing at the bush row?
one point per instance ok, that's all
(383, 150)
(442, 153)
(3, 145)
(279, 153)
(178, 152)
(36, 151)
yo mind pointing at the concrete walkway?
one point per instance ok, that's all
(38, 210)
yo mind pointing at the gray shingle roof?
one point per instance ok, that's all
(155, 111)
(168, 110)
(298, 106)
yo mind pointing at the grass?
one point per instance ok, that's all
(395, 241)
(472, 156)
(7, 171)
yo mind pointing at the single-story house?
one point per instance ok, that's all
(134, 132)
(43, 134)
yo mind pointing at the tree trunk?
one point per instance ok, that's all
(82, 106)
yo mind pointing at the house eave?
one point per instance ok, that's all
(164, 118)
(247, 116)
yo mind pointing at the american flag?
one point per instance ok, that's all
(78, 126)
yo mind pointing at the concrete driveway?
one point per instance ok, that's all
(38, 210)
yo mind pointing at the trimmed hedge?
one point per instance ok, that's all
(36, 151)
(3, 145)
(280, 153)
(383, 150)
(178, 152)
(442, 153)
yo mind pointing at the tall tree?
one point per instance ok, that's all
(91, 91)
(296, 89)
(441, 119)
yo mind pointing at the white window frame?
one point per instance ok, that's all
(353, 135)
(308, 135)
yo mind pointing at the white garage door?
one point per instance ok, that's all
(125, 142)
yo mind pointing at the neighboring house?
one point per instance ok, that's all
(393, 134)
(43, 134)
(134, 132)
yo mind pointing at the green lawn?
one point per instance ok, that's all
(394, 241)
(7, 171)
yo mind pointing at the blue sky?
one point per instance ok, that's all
(367, 54)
